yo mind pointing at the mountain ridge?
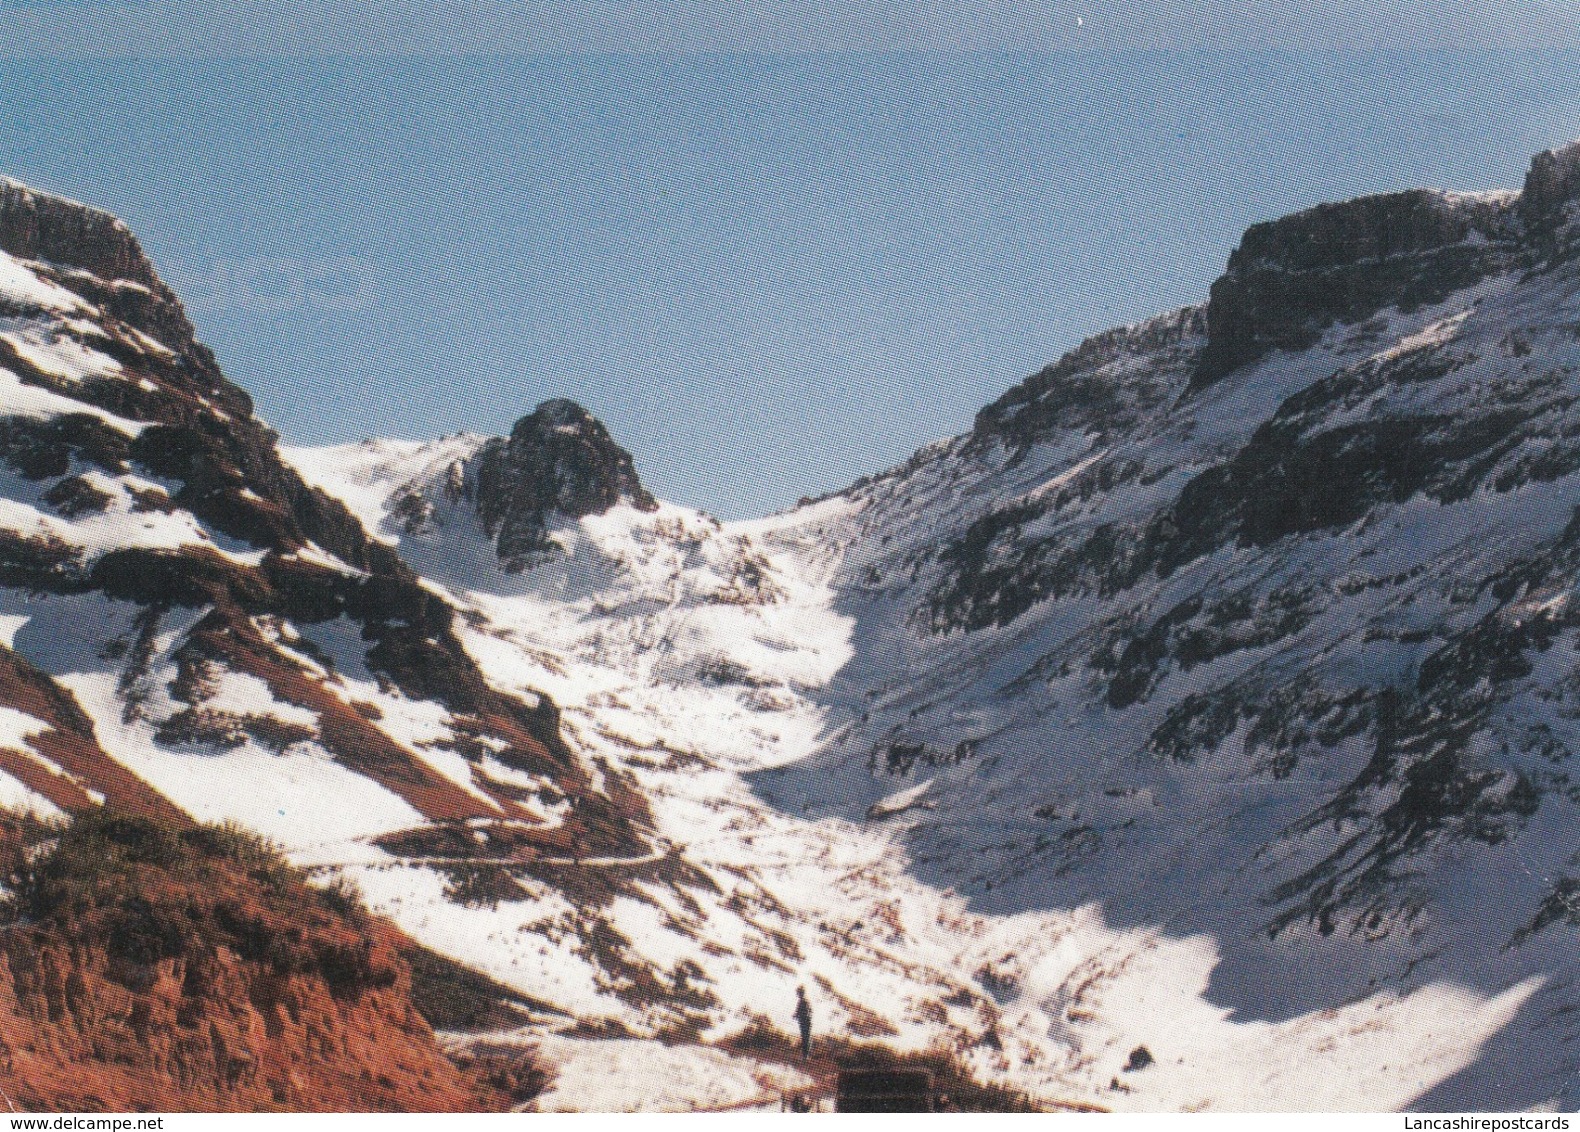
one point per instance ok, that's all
(1213, 693)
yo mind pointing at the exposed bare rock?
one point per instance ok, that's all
(1290, 279)
(35, 225)
(560, 460)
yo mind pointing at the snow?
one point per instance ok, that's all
(16, 728)
(117, 527)
(314, 555)
(302, 799)
(1064, 478)
(899, 802)
(747, 721)
(21, 400)
(56, 354)
(10, 625)
(21, 285)
(17, 799)
(152, 345)
(241, 694)
(359, 475)
(615, 1075)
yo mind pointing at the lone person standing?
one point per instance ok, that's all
(803, 1017)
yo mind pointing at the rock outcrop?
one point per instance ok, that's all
(41, 226)
(205, 435)
(560, 460)
(1552, 185)
(1290, 279)
(1103, 385)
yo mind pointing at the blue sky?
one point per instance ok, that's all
(769, 274)
(228, 28)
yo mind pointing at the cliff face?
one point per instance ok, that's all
(147, 967)
(1552, 187)
(40, 226)
(87, 266)
(1290, 279)
(559, 460)
(1288, 282)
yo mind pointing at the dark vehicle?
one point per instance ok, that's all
(884, 1090)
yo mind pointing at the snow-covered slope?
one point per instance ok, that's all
(1208, 695)
(1214, 694)
(749, 726)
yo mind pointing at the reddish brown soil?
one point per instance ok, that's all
(70, 744)
(151, 968)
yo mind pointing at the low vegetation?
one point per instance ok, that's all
(151, 892)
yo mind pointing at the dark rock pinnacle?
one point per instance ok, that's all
(559, 460)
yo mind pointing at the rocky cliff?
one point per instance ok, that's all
(560, 460)
(1290, 279)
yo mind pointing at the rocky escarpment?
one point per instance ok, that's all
(560, 460)
(1290, 279)
(40, 226)
(206, 437)
(192, 632)
(1552, 188)
(149, 967)
(1103, 386)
